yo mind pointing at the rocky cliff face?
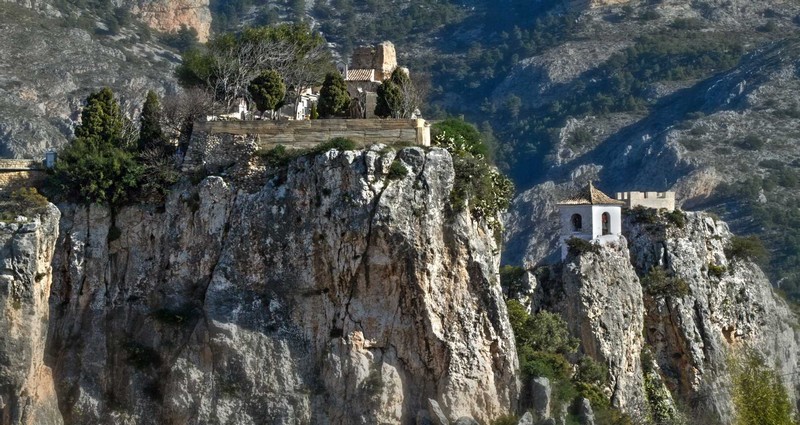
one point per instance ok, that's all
(729, 304)
(27, 392)
(170, 15)
(603, 307)
(52, 63)
(330, 294)
(685, 327)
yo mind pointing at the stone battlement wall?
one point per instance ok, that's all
(221, 143)
(656, 200)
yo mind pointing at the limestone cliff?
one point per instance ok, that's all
(170, 15)
(27, 393)
(729, 304)
(328, 294)
(604, 307)
(705, 308)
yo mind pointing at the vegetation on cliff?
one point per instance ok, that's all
(109, 162)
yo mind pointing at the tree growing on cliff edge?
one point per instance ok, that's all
(151, 136)
(267, 91)
(333, 97)
(97, 167)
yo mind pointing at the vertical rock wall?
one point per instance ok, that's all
(331, 294)
(27, 393)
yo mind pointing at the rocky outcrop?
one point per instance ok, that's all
(27, 392)
(604, 308)
(328, 294)
(171, 15)
(669, 342)
(729, 304)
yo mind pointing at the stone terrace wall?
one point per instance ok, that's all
(17, 173)
(218, 144)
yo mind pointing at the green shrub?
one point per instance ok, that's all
(338, 143)
(751, 142)
(578, 246)
(397, 170)
(509, 419)
(644, 215)
(758, 392)
(715, 270)
(677, 218)
(458, 129)
(482, 187)
(591, 372)
(29, 200)
(746, 248)
(659, 284)
(581, 137)
(278, 156)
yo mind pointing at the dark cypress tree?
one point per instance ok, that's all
(267, 90)
(150, 134)
(96, 167)
(333, 97)
(102, 118)
(394, 96)
(389, 99)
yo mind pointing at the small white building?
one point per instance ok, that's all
(591, 215)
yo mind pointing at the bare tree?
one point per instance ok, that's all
(181, 110)
(235, 63)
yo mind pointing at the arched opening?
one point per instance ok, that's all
(606, 217)
(577, 222)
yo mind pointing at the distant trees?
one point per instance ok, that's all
(267, 91)
(333, 97)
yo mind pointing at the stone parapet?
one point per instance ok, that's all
(217, 143)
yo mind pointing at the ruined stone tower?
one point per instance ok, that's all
(382, 58)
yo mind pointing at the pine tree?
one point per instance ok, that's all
(150, 134)
(102, 118)
(96, 167)
(267, 90)
(333, 97)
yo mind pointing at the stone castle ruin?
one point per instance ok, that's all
(369, 67)
(656, 200)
